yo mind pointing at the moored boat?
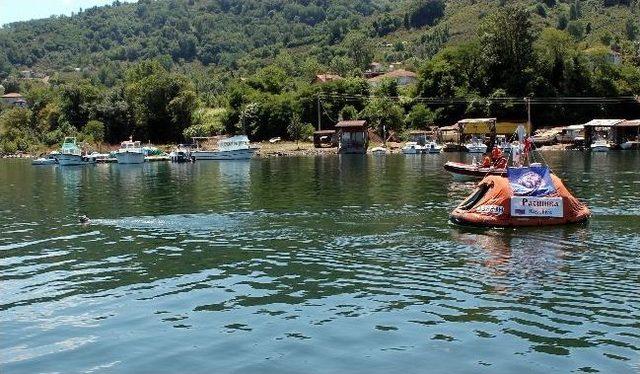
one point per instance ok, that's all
(527, 196)
(412, 148)
(130, 152)
(182, 153)
(50, 159)
(379, 151)
(234, 148)
(71, 154)
(476, 146)
(432, 147)
(600, 146)
(465, 172)
(630, 144)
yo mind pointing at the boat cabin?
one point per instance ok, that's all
(352, 137)
(130, 145)
(234, 143)
(70, 146)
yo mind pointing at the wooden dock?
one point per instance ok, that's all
(113, 160)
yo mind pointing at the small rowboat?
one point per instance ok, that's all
(463, 172)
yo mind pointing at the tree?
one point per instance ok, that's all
(16, 133)
(359, 48)
(206, 122)
(161, 102)
(78, 101)
(348, 113)
(420, 117)
(383, 112)
(426, 12)
(342, 65)
(506, 39)
(94, 130)
(387, 87)
(297, 130)
(575, 29)
(631, 29)
(562, 22)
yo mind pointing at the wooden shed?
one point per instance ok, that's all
(325, 138)
(352, 137)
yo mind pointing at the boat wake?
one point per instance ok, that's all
(174, 222)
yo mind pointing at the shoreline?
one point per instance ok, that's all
(281, 149)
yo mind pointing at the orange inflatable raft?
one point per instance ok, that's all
(494, 203)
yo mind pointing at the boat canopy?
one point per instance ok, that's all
(69, 146)
(128, 144)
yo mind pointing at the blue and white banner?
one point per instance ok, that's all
(531, 181)
(524, 206)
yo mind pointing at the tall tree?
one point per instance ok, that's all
(506, 39)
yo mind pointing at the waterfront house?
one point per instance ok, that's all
(401, 76)
(570, 134)
(478, 128)
(324, 78)
(15, 99)
(352, 136)
(600, 129)
(626, 131)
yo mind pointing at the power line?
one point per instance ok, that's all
(576, 100)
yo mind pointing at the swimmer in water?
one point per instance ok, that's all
(84, 219)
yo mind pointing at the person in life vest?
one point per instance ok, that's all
(498, 159)
(496, 153)
(486, 161)
(528, 146)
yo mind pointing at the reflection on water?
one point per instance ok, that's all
(339, 264)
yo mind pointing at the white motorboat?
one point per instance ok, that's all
(412, 148)
(432, 147)
(71, 154)
(182, 153)
(379, 151)
(130, 152)
(233, 148)
(630, 144)
(503, 144)
(99, 157)
(50, 159)
(476, 146)
(600, 145)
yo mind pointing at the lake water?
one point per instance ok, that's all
(311, 265)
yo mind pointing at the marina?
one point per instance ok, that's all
(320, 187)
(284, 254)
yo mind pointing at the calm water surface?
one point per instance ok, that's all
(310, 265)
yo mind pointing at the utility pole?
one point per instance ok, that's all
(528, 101)
(319, 115)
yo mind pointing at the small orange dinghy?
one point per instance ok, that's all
(528, 196)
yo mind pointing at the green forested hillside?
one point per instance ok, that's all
(245, 34)
(167, 69)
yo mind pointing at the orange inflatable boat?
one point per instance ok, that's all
(507, 201)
